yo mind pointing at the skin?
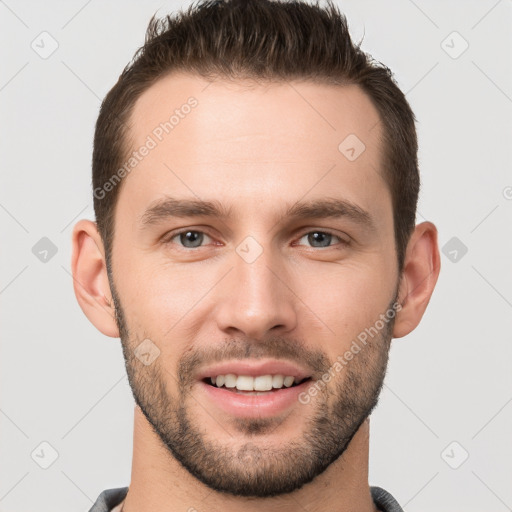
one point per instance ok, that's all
(257, 149)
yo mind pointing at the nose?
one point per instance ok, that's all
(256, 298)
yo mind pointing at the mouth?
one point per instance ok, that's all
(254, 385)
(251, 389)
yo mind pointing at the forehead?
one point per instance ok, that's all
(226, 108)
(244, 140)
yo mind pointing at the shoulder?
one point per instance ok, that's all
(108, 499)
(384, 500)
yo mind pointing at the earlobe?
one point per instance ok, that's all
(90, 279)
(420, 272)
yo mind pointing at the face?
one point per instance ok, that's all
(252, 255)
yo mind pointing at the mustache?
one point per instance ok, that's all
(236, 349)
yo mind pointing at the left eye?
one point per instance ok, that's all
(321, 238)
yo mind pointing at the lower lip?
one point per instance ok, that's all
(254, 406)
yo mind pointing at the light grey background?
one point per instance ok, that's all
(64, 383)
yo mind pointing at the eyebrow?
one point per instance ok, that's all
(169, 207)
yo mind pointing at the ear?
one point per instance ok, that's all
(90, 279)
(420, 272)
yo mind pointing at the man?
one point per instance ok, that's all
(255, 185)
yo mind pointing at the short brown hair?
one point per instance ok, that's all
(264, 40)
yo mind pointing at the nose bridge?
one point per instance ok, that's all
(257, 300)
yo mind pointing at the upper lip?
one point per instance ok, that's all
(254, 368)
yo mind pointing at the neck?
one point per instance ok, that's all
(158, 480)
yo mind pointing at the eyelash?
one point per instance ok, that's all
(168, 239)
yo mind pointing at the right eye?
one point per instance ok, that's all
(188, 238)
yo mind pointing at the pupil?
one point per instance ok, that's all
(318, 236)
(195, 238)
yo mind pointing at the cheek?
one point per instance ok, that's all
(345, 301)
(160, 298)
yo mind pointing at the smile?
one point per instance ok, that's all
(253, 389)
(252, 384)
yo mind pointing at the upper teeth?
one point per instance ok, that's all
(248, 383)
